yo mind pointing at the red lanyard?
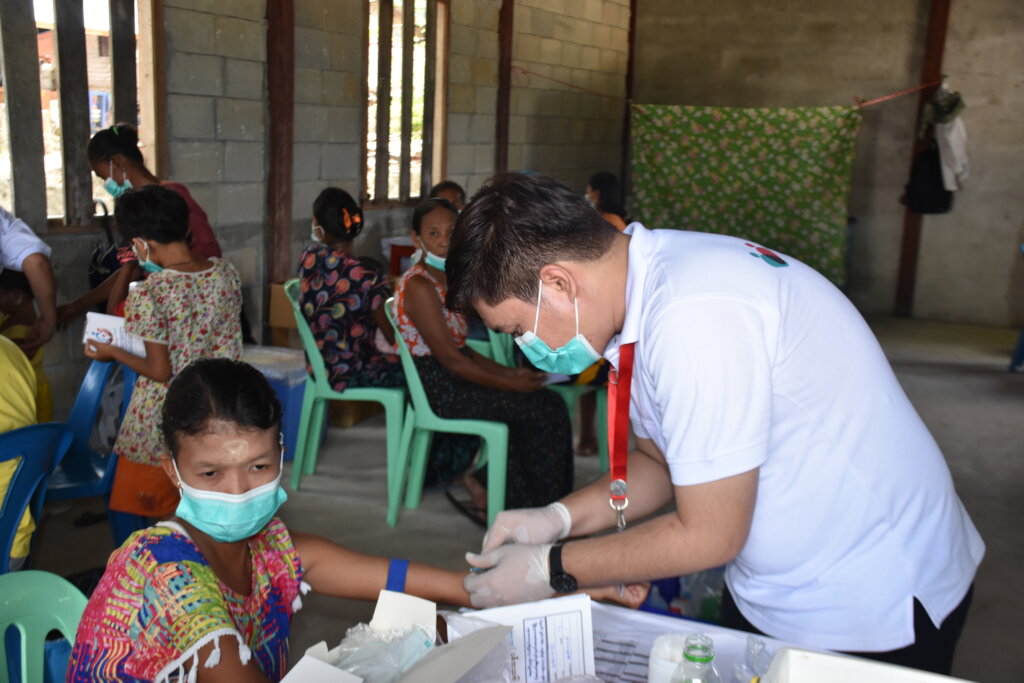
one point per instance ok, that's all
(619, 380)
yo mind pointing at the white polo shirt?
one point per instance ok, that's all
(745, 358)
(17, 241)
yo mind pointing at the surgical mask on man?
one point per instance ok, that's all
(571, 359)
(230, 517)
(147, 265)
(113, 188)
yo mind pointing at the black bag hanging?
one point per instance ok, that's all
(103, 261)
(925, 192)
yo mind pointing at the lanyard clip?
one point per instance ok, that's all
(619, 502)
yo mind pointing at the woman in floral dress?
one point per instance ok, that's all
(342, 298)
(187, 308)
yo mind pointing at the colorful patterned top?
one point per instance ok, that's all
(339, 295)
(197, 315)
(457, 324)
(159, 603)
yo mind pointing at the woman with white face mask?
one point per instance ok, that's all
(209, 595)
(343, 297)
(462, 384)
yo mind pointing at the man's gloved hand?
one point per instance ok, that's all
(515, 573)
(529, 525)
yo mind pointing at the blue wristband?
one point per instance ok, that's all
(396, 575)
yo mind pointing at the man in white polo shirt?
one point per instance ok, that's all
(764, 409)
(22, 250)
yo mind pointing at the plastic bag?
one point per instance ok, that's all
(381, 657)
(494, 667)
(757, 661)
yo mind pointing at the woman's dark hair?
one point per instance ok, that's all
(153, 213)
(338, 213)
(425, 207)
(611, 193)
(513, 226)
(217, 389)
(121, 138)
(445, 185)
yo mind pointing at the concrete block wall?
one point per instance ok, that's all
(216, 125)
(557, 130)
(806, 53)
(472, 91)
(971, 267)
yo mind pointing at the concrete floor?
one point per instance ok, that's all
(954, 374)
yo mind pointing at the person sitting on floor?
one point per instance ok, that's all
(461, 384)
(209, 595)
(343, 298)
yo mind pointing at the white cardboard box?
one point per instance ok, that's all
(793, 665)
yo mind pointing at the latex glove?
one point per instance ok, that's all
(529, 525)
(515, 573)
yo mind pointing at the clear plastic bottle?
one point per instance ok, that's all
(698, 663)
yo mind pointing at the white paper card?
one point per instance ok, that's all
(553, 639)
(452, 661)
(401, 611)
(109, 329)
(312, 670)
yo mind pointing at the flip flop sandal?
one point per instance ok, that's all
(468, 510)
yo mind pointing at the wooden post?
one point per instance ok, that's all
(506, 23)
(122, 61)
(405, 150)
(153, 87)
(19, 50)
(429, 95)
(74, 111)
(281, 134)
(382, 162)
(627, 120)
(935, 44)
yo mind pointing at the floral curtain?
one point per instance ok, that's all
(779, 177)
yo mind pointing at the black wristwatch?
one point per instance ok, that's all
(561, 581)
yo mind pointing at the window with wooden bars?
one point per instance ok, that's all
(405, 79)
(70, 68)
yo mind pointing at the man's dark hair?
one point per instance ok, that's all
(153, 213)
(425, 207)
(436, 190)
(15, 280)
(515, 225)
(212, 389)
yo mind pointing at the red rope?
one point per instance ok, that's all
(868, 103)
(527, 73)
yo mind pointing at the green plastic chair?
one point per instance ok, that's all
(35, 603)
(318, 392)
(502, 351)
(420, 425)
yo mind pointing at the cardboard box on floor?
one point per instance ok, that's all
(283, 332)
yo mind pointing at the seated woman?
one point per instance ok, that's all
(209, 595)
(462, 384)
(343, 297)
(604, 192)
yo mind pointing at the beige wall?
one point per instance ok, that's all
(561, 131)
(806, 53)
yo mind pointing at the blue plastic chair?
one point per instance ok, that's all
(40, 447)
(84, 472)
(33, 603)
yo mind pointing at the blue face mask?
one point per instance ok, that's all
(230, 517)
(433, 259)
(144, 263)
(571, 359)
(113, 188)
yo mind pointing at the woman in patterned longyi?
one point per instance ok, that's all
(209, 595)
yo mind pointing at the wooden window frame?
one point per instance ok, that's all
(17, 41)
(435, 85)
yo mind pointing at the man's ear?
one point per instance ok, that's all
(556, 277)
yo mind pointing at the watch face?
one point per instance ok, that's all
(563, 583)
